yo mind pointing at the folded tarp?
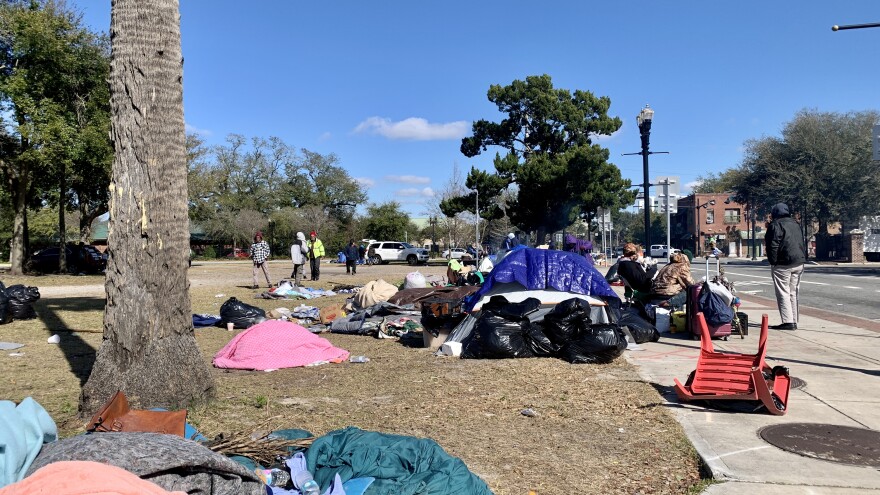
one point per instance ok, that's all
(537, 269)
(401, 465)
(277, 344)
(172, 462)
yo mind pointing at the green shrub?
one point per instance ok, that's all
(209, 252)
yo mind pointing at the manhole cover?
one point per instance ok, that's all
(797, 383)
(835, 443)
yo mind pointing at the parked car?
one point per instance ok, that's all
(238, 253)
(386, 251)
(80, 259)
(456, 253)
(660, 250)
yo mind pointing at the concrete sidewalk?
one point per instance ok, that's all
(841, 367)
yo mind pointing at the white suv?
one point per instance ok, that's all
(660, 250)
(386, 251)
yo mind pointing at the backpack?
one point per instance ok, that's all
(714, 309)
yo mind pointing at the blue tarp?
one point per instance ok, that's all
(539, 269)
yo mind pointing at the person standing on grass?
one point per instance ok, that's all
(787, 256)
(298, 253)
(316, 252)
(260, 254)
(351, 257)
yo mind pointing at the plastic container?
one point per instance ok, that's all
(359, 359)
(306, 483)
(274, 477)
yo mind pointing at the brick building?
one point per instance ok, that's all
(725, 222)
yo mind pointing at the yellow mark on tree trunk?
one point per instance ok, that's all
(143, 216)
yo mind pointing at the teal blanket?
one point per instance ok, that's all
(401, 465)
(23, 431)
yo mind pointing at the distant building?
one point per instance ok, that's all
(725, 223)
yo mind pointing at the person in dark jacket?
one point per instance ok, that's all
(351, 256)
(787, 255)
(633, 272)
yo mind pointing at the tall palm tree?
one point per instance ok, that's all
(149, 349)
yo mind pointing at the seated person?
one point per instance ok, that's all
(671, 283)
(631, 268)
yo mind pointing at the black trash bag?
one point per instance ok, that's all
(21, 301)
(597, 345)
(541, 345)
(502, 331)
(641, 329)
(4, 305)
(567, 320)
(240, 314)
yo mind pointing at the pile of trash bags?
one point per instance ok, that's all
(17, 302)
(505, 330)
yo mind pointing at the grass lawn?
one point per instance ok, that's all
(599, 428)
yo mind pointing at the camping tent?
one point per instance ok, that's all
(549, 276)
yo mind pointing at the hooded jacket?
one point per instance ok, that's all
(298, 250)
(784, 241)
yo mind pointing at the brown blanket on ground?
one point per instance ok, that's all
(410, 296)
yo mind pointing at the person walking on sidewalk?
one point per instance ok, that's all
(298, 253)
(351, 257)
(260, 254)
(316, 252)
(787, 256)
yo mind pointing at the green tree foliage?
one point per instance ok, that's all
(246, 185)
(386, 222)
(53, 89)
(821, 167)
(547, 134)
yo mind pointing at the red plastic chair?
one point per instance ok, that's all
(733, 376)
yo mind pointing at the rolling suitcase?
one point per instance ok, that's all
(691, 307)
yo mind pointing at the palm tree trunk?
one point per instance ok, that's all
(149, 349)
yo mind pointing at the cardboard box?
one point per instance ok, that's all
(330, 313)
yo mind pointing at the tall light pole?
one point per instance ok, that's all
(644, 119)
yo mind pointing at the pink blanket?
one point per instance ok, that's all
(84, 478)
(276, 344)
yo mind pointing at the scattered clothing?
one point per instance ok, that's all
(277, 344)
(172, 462)
(24, 428)
(85, 478)
(399, 464)
(205, 320)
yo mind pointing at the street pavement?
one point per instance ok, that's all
(840, 364)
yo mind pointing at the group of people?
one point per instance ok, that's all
(667, 287)
(300, 252)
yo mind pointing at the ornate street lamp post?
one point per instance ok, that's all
(644, 119)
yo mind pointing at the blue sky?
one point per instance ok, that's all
(392, 86)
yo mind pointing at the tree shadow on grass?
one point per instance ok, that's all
(80, 354)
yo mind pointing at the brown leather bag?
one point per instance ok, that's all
(116, 415)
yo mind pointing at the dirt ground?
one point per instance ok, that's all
(598, 428)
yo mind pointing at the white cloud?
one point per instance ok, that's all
(413, 128)
(597, 138)
(325, 136)
(408, 179)
(195, 130)
(407, 192)
(691, 185)
(365, 181)
(414, 192)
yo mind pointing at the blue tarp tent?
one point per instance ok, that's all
(542, 269)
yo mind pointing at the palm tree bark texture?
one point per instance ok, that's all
(149, 349)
